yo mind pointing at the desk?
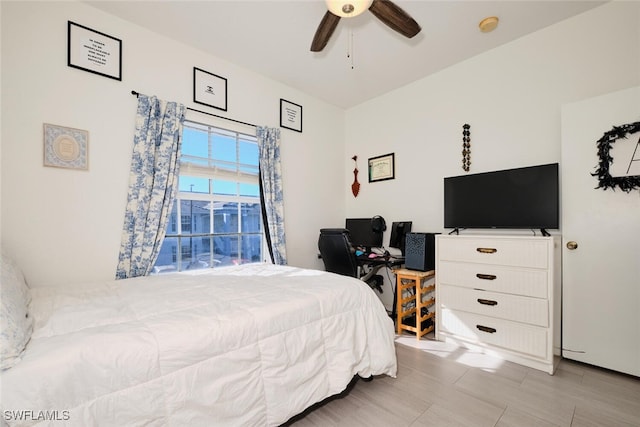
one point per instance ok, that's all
(411, 289)
(370, 266)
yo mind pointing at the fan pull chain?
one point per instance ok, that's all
(350, 49)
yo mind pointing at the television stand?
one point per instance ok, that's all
(545, 232)
(501, 294)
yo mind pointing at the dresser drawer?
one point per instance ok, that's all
(521, 252)
(511, 280)
(476, 328)
(517, 308)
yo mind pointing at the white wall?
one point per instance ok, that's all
(63, 226)
(511, 97)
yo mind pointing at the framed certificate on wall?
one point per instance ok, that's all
(382, 168)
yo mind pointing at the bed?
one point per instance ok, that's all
(250, 345)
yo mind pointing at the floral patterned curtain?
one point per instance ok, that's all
(153, 184)
(271, 192)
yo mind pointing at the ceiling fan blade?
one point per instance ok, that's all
(396, 18)
(325, 30)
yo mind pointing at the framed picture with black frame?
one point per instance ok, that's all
(93, 51)
(382, 167)
(209, 89)
(290, 115)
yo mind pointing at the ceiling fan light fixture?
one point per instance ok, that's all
(348, 8)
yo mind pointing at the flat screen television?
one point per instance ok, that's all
(514, 198)
(361, 233)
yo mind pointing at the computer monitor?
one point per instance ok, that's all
(399, 232)
(361, 233)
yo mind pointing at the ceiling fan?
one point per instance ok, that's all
(385, 10)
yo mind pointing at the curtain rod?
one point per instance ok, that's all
(133, 92)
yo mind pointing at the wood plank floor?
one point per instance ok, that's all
(442, 385)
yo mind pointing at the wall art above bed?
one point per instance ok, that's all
(66, 147)
(93, 51)
(209, 89)
(290, 115)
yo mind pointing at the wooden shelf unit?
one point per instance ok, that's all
(411, 290)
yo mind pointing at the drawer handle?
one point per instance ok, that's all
(487, 301)
(487, 250)
(486, 329)
(486, 276)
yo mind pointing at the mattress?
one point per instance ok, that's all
(250, 345)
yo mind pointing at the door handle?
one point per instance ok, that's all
(486, 276)
(487, 301)
(572, 245)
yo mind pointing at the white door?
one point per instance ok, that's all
(601, 276)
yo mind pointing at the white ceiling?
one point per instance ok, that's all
(273, 37)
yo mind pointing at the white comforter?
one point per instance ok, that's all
(240, 346)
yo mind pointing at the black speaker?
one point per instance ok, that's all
(420, 251)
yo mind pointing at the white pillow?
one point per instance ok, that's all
(15, 323)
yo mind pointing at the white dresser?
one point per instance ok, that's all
(500, 294)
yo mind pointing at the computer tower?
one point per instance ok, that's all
(420, 251)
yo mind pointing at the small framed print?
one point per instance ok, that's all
(290, 115)
(382, 168)
(93, 51)
(66, 147)
(209, 89)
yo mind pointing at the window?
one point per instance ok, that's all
(216, 217)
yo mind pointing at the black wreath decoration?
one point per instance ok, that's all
(626, 183)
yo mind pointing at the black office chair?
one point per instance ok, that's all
(337, 252)
(338, 255)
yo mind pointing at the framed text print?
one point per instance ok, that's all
(93, 51)
(290, 115)
(209, 89)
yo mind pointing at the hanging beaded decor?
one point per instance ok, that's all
(466, 147)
